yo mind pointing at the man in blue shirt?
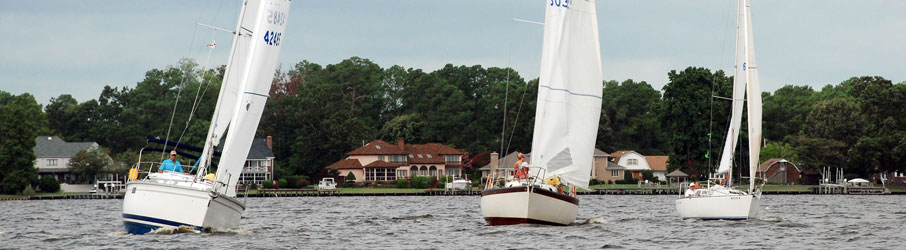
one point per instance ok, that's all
(171, 165)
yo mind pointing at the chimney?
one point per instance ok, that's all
(400, 142)
(270, 142)
(495, 161)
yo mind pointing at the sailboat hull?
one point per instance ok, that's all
(149, 205)
(725, 207)
(520, 205)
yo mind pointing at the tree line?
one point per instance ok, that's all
(318, 113)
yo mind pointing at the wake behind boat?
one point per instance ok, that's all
(179, 200)
(722, 201)
(566, 125)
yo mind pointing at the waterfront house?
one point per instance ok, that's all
(52, 156)
(636, 163)
(505, 164)
(382, 161)
(779, 171)
(259, 165)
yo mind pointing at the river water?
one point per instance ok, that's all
(455, 222)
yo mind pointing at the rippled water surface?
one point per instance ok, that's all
(630, 222)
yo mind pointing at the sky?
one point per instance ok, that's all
(77, 47)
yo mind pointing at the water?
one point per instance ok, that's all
(622, 222)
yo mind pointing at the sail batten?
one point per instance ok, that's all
(569, 93)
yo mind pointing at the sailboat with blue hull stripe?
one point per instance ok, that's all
(164, 199)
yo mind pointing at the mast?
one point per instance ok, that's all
(224, 96)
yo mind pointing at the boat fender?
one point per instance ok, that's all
(133, 174)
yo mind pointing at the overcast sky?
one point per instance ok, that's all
(50, 48)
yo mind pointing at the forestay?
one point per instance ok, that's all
(569, 92)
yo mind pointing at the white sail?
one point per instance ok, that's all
(569, 92)
(739, 91)
(264, 22)
(753, 99)
(229, 89)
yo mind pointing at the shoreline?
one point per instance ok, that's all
(348, 192)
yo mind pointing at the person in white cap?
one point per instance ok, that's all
(691, 191)
(171, 165)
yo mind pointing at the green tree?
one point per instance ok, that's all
(778, 150)
(21, 121)
(630, 115)
(690, 115)
(833, 128)
(89, 163)
(785, 112)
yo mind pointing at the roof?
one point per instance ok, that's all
(616, 155)
(53, 146)
(345, 164)
(657, 162)
(598, 152)
(614, 166)
(381, 164)
(431, 153)
(677, 173)
(770, 162)
(259, 150)
(378, 147)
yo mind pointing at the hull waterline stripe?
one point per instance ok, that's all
(503, 221)
(159, 221)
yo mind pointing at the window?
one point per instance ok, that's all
(380, 174)
(632, 162)
(453, 172)
(51, 162)
(594, 171)
(615, 173)
(432, 171)
(382, 157)
(413, 171)
(401, 174)
(429, 155)
(391, 175)
(396, 158)
(420, 156)
(369, 174)
(452, 159)
(423, 171)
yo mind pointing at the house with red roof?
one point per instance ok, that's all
(636, 163)
(382, 161)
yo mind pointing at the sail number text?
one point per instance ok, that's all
(560, 3)
(272, 38)
(276, 17)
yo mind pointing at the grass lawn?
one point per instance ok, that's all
(380, 190)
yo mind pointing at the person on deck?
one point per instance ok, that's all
(171, 165)
(520, 170)
(691, 191)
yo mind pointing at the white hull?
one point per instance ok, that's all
(718, 207)
(170, 203)
(518, 205)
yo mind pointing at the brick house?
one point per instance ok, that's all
(779, 171)
(382, 161)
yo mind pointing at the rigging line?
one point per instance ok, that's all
(197, 101)
(178, 93)
(516, 121)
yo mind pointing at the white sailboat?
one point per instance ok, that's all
(170, 199)
(724, 201)
(566, 124)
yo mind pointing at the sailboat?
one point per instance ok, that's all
(201, 202)
(724, 201)
(566, 124)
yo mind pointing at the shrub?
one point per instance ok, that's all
(253, 186)
(402, 183)
(283, 183)
(648, 175)
(350, 177)
(48, 184)
(302, 182)
(268, 184)
(420, 182)
(29, 191)
(593, 182)
(627, 176)
(290, 181)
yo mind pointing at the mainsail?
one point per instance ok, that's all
(739, 91)
(246, 84)
(753, 97)
(569, 92)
